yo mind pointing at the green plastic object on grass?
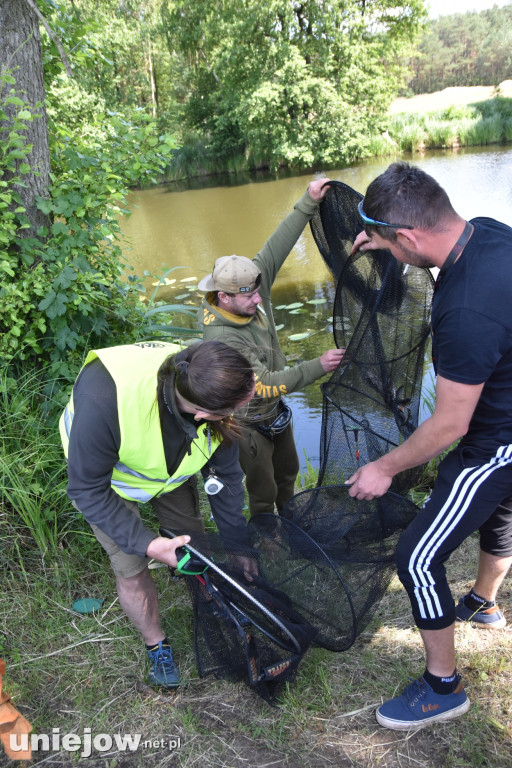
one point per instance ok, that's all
(87, 605)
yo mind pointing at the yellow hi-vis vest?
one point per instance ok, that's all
(141, 472)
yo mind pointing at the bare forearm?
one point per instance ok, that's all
(427, 441)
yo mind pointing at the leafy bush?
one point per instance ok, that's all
(65, 289)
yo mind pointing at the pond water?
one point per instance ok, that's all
(190, 228)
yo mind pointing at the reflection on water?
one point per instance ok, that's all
(307, 424)
(193, 227)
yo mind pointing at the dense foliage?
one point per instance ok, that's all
(464, 49)
(62, 289)
(285, 82)
(244, 83)
(281, 83)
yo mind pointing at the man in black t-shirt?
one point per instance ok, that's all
(406, 211)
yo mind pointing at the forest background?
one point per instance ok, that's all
(99, 98)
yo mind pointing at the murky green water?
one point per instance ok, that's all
(191, 228)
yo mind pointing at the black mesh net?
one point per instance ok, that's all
(359, 539)
(382, 317)
(261, 607)
(314, 576)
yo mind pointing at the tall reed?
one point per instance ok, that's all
(34, 508)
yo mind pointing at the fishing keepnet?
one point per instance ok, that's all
(314, 576)
(382, 317)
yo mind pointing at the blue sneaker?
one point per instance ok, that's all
(164, 671)
(487, 618)
(419, 706)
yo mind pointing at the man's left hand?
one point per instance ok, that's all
(331, 359)
(318, 188)
(369, 482)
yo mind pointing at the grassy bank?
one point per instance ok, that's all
(72, 672)
(68, 672)
(481, 124)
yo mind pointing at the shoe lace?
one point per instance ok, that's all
(162, 657)
(416, 689)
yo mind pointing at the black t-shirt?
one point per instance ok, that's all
(472, 330)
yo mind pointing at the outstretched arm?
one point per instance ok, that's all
(454, 408)
(274, 384)
(278, 246)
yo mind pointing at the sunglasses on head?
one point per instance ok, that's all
(375, 223)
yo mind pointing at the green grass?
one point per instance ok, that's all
(73, 672)
(308, 478)
(33, 502)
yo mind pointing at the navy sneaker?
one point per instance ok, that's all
(163, 671)
(486, 618)
(419, 706)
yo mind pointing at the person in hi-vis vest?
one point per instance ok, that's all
(142, 420)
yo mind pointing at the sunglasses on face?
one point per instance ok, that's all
(375, 223)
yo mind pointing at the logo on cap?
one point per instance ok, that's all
(232, 274)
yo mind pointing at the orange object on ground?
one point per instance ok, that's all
(11, 722)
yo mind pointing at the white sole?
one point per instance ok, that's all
(497, 624)
(480, 625)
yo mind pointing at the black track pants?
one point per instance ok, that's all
(467, 496)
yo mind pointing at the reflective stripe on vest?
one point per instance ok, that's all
(141, 472)
(133, 493)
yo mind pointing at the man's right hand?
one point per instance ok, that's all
(369, 482)
(364, 242)
(164, 549)
(331, 359)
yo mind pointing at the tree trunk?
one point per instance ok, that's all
(20, 52)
